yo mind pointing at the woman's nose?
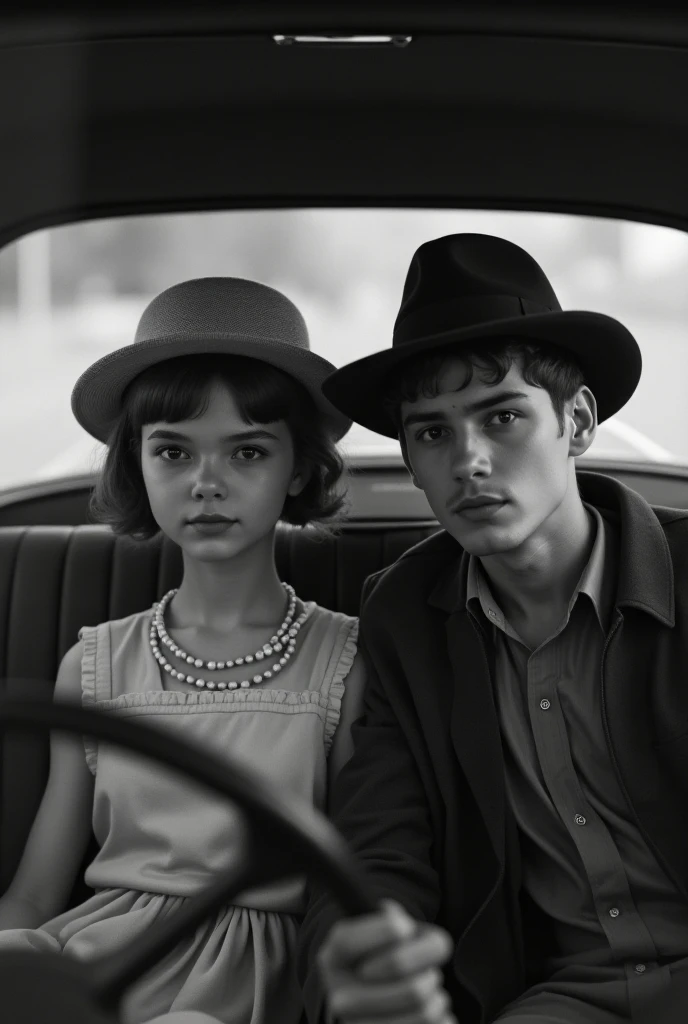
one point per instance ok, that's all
(209, 484)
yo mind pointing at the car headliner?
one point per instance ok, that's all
(107, 112)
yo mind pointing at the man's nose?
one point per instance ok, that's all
(469, 457)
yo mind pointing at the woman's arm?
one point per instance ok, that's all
(60, 833)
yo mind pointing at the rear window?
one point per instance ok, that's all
(71, 294)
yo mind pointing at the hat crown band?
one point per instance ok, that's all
(470, 311)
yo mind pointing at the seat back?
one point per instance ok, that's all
(55, 579)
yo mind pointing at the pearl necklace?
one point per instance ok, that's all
(285, 635)
(273, 646)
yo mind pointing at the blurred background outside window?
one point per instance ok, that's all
(69, 295)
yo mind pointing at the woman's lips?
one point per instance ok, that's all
(220, 526)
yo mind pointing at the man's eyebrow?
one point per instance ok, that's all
(483, 403)
(498, 399)
(254, 434)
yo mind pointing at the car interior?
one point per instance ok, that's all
(564, 109)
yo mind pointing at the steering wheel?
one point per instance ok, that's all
(47, 987)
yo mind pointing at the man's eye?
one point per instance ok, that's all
(503, 418)
(430, 434)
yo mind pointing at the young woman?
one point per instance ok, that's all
(216, 429)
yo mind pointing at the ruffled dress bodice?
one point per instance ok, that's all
(164, 838)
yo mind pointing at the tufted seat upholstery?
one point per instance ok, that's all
(55, 579)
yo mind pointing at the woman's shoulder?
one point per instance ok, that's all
(329, 625)
(333, 640)
(327, 615)
(331, 637)
(118, 628)
(111, 654)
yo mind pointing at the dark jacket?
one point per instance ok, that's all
(422, 801)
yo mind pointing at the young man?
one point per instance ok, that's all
(520, 776)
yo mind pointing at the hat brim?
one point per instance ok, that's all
(605, 350)
(97, 395)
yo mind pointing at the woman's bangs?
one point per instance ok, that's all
(167, 397)
(262, 393)
(180, 390)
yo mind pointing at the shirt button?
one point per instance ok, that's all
(492, 613)
(640, 968)
(614, 912)
(579, 819)
(545, 704)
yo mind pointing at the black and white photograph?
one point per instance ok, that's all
(343, 513)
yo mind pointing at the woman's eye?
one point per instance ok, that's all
(169, 454)
(249, 454)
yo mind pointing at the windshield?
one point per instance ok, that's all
(71, 294)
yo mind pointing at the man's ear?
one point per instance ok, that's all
(581, 422)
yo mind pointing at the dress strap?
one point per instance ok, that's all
(96, 677)
(334, 681)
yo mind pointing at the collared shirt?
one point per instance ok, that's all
(585, 863)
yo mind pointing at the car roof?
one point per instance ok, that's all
(573, 108)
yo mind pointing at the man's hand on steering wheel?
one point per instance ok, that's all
(386, 966)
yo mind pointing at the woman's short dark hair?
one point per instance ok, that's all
(179, 389)
(544, 366)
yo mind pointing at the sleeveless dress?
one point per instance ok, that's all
(163, 839)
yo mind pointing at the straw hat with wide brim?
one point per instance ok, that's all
(470, 289)
(218, 315)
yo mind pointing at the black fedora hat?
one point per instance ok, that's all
(471, 288)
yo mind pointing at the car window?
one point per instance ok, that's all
(70, 294)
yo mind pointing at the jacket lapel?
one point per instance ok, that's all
(473, 723)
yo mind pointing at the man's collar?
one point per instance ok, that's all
(597, 580)
(645, 578)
